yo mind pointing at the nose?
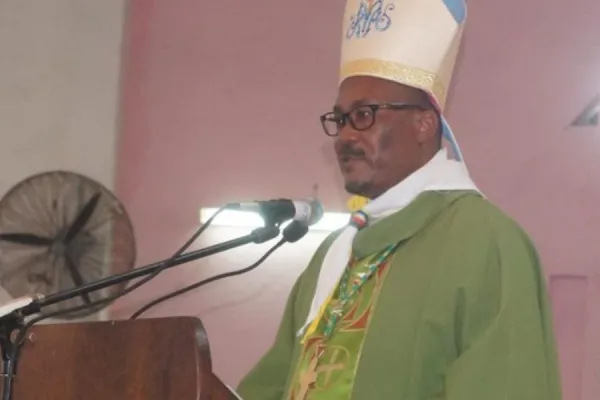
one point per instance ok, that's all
(347, 133)
(347, 136)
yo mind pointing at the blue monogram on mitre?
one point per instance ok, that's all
(372, 14)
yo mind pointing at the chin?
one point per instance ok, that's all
(357, 188)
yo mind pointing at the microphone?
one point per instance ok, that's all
(279, 210)
(294, 231)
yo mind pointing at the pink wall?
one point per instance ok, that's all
(216, 99)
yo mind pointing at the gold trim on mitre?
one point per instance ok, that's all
(399, 73)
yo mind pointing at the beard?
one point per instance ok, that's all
(357, 188)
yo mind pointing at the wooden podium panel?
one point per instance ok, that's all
(146, 359)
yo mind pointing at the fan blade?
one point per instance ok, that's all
(82, 218)
(26, 238)
(77, 278)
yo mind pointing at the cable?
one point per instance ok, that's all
(292, 233)
(207, 281)
(141, 282)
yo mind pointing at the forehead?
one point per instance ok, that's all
(366, 89)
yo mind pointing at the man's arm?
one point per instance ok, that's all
(267, 380)
(504, 328)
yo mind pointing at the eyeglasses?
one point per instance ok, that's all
(360, 118)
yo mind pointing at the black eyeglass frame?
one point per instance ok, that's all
(331, 116)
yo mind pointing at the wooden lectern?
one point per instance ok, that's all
(146, 359)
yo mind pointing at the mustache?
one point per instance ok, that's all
(347, 150)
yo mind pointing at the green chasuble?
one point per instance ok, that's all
(336, 358)
(458, 312)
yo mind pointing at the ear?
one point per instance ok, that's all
(426, 125)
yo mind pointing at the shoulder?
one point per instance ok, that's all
(490, 253)
(314, 265)
(475, 215)
(476, 232)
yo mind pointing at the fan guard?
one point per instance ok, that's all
(60, 230)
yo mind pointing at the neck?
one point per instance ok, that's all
(439, 174)
(423, 163)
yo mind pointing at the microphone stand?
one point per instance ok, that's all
(13, 322)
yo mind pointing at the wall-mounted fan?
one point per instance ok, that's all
(59, 230)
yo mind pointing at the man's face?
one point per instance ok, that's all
(375, 159)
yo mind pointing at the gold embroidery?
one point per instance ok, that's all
(326, 366)
(333, 365)
(308, 378)
(403, 74)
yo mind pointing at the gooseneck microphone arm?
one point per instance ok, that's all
(257, 236)
(14, 322)
(273, 212)
(292, 233)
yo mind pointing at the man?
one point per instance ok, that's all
(431, 292)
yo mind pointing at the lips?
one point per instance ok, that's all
(351, 155)
(348, 163)
(348, 158)
(348, 154)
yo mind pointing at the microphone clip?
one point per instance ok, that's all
(265, 233)
(275, 212)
